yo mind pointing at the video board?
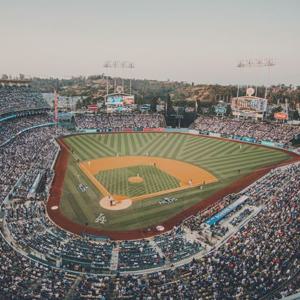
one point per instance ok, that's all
(249, 104)
(119, 100)
(114, 100)
(128, 100)
(220, 109)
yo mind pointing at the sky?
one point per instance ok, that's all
(198, 41)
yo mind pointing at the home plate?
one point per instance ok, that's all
(113, 203)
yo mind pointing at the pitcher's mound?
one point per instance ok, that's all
(135, 179)
(115, 204)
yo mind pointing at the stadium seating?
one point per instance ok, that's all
(11, 127)
(15, 98)
(280, 133)
(176, 246)
(134, 255)
(253, 252)
(117, 121)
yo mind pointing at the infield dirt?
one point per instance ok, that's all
(187, 174)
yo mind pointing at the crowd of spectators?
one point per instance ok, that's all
(31, 152)
(274, 132)
(195, 223)
(28, 227)
(21, 278)
(136, 255)
(235, 221)
(16, 98)
(176, 246)
(261, 258)
(11, 127)
(117, 121)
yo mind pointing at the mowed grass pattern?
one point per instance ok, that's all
(227, 160)
(222, 158)
(155, 180)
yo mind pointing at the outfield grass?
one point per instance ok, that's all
(225, 159)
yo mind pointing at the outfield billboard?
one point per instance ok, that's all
(93, 107)
(119, 100)
(249, 103)
(128, 100)
(281, 116)
(114, 100)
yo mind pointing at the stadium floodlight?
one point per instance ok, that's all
(117, 64)
(256, 63)
(250, 63)
(107, 64)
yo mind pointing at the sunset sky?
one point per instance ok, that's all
(191, 40)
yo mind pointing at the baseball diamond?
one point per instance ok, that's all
(159, 175)
(187, 167)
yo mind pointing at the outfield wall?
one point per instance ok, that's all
(191, 131)
(246, 139)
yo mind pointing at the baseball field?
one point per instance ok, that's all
(145, 169)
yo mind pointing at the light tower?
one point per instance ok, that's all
(257, 63)
(116, 64)
(131, 67)
(106, 66)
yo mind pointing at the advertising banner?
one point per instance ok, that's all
(215, 134)
(114, 100)
(248, 139)
(128, 100)
(267, 143)
(153, 129)
(93, 107)
(176, 130)
(127, 129)
(248, 104)
(281, 116)
(193, 131)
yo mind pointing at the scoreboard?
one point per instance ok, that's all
(114, 100)
(119, 100)
(249, 103)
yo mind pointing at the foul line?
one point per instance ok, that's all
(97, 183)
